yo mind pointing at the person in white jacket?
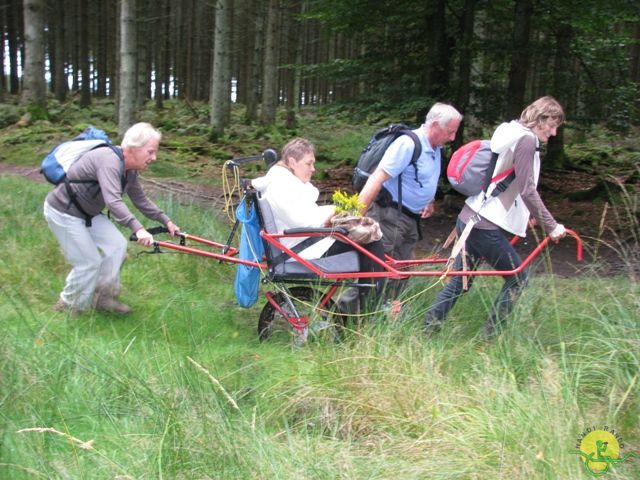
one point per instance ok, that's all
(293, 200)
(517, 144)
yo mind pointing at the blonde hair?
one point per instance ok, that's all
(541, 111)
(138, 135)
(297, 148)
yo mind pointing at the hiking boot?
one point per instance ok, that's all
(61, 306)
(110, 304)
(348, 301)
(492, 328)
(432, 325)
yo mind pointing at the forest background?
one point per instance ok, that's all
(489, 59)
(182, 388)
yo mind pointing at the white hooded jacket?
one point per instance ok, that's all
(506, 210)
(294, 204)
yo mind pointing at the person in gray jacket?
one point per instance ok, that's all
(91, 243)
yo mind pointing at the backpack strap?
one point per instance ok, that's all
(417, 150)
(297, 248)
(73, 197)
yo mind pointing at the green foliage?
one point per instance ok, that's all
(580, 56)
(181, 388)
(37, 112)
(339, 131)
(9, 114)
(601, 149)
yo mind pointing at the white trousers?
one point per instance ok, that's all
(96, 254)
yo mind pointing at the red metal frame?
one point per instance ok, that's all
(392, 268)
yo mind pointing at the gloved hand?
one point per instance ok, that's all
(558, 232)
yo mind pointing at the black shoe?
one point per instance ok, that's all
(491, 329)
(432, 326)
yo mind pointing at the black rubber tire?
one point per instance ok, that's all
(271, 323)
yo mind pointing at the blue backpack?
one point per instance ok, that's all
(56, 164)
(247, 281)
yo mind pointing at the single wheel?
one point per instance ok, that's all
(272, 324)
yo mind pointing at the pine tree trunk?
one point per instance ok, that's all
(253, 80)
(14, 20)
(127, 83)
(85, 69)
(143, 63)
(34, 91)
(291, 34)
(270, 71)
(160, 33)
(520, 60)
(59, 62)
(464, 68)
(562, 89)
(221, 77)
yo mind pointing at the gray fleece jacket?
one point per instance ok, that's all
(103, 169)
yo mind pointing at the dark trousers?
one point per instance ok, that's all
(366, 265)
(494, 248)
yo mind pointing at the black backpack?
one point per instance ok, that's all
(374, 151)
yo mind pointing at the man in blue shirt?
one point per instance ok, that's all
(380, 193)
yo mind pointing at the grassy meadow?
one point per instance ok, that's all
(182, 388)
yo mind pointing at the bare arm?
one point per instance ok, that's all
(372, 187)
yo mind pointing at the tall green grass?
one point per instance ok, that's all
(182, 389)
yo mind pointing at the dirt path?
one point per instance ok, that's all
(599, 237)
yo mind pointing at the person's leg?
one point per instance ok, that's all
(501, 255)
(399, 238)
(113, 247)
(353, 297)
(80, 252)
(399, 232)
(454, 289)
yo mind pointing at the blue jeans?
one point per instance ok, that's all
(492, 247)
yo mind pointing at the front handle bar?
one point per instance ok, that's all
(152, 231)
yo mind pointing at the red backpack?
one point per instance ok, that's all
(471, 168)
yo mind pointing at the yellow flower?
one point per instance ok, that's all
(346, 203)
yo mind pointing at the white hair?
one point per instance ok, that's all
(138, 135)
(442, 113)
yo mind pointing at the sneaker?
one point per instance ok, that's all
(109, 304)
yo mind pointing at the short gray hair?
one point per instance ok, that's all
(138, 135)
(442, 113)
(297, 148)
